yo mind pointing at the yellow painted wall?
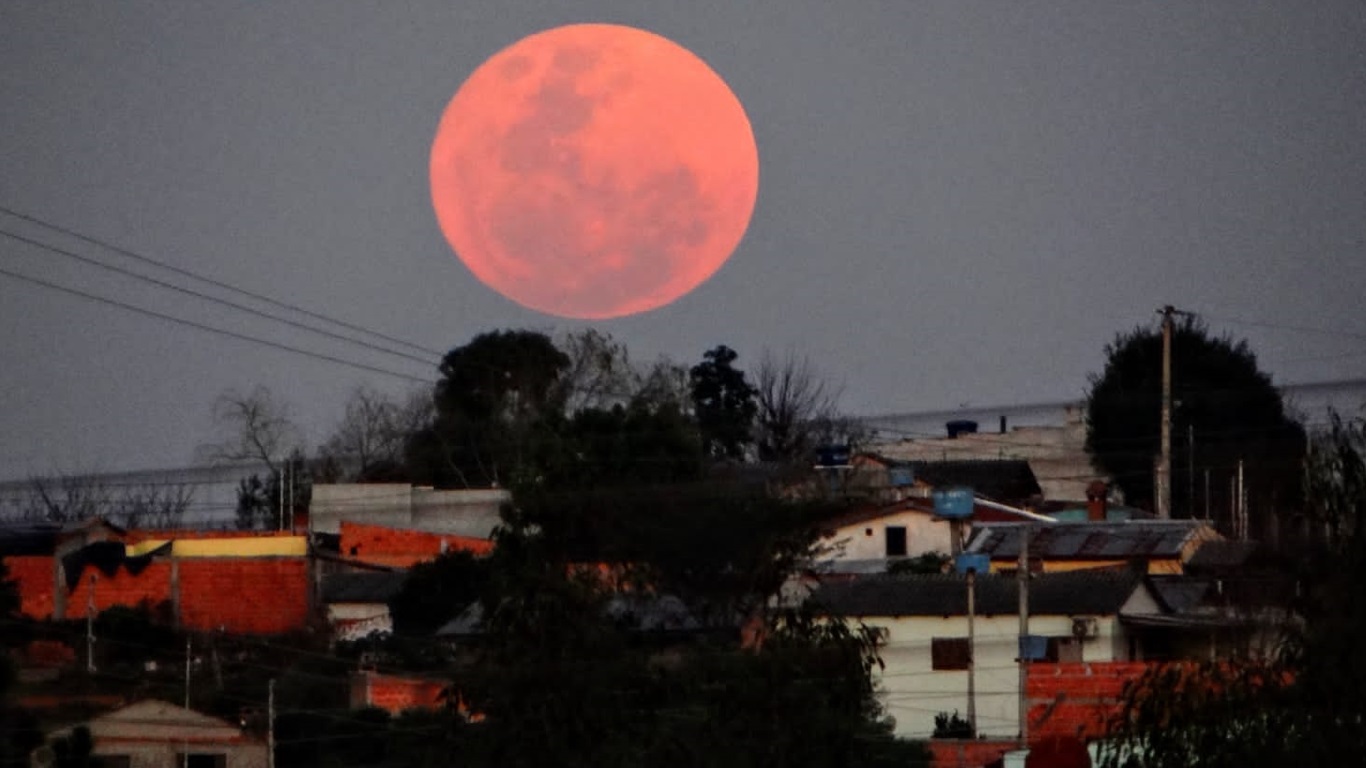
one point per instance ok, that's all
(247, 546)
(1163, 566)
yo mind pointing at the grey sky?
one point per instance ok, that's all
(958, 202)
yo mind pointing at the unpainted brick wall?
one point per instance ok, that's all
(402, 547)
(963, 753)
(152, 586)
(33, 575)
(397, 694)
(257, 595)
(1077, 699)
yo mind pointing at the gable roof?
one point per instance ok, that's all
(1089, 541)
(151, 720)
(1095, 591)
(362, 587)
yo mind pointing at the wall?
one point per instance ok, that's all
(245, 595)
(914, 692)
(395, 694)
(1076, 700)
(151, 586)
(923, 534)
(398, 505)
(401, 548)
(962, 753)
(34, 576)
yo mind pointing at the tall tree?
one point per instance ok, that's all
(368, 444)
(723, 403)
(794, 406)
(496, 402)
(1225, 410)
(252, 427)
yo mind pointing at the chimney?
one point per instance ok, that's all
(1096, 494)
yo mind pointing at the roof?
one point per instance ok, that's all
(363, 587)
(1095, 591)
(1222, 555)
(1002, 480)
(25, 538)
(1088, 541)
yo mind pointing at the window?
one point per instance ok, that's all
(201, 760)
(948, 653)
(896, 541)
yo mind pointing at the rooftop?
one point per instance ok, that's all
(1094, 591)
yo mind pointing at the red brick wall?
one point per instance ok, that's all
(33, 574)
(257, 595)
(402, 547)
(152, 585)
(396, 694)
(1076, 700)
(956, 753)
(139, 535)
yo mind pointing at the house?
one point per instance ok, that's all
(1056, 454)
(378, 545)
(1075, 617)
(1164, 546)
(883, 479)
(156, 734)
(469, 512)
(870, 537)
(198, 577)
(357, 603)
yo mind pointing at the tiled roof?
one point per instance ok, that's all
(373, 587)
(1098, 591)
(1087, 541)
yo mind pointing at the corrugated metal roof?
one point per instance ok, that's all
(1100, 591)
(1086, 540)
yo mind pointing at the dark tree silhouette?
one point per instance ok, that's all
(1220, 399)
(724, 404)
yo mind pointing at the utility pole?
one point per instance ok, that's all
(90, 628)
(270, 725)
(972, 652)
(1022, 572)
(1164, 459)
(1190, 471)
(187, 672)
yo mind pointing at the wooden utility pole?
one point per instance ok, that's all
(972, 652)
(1164, 458)
(1022, 572)
(270, 725)
(90, 628)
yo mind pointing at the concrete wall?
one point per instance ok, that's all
(914, 692)
(398, 505)
(868, 540)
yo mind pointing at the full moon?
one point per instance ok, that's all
(594, 171)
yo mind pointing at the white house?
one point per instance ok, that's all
(471, 512)
(1074, 616)
(865, 539)
(157, 734)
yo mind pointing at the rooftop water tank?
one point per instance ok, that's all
(961, 427)
(953, 503)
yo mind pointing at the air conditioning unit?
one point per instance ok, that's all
(1085, 627)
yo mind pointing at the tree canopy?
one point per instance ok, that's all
(1225, 410)
(724, 404)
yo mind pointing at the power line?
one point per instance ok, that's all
(214, 299)
(210, 281)
(212, 329)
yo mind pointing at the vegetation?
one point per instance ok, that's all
(1305, 705)
(1225, 410)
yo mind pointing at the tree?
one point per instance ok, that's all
(19, 732)
(794, 405)
(497, 404)
(68, 498)
(1305, 705)
(252, 427)
(723, 403)
(1220, 399)
(436, 591)
(374, 429)
(274, 503)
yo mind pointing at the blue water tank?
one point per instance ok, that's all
(953, 503)
(972, 561)
(1033, 647)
